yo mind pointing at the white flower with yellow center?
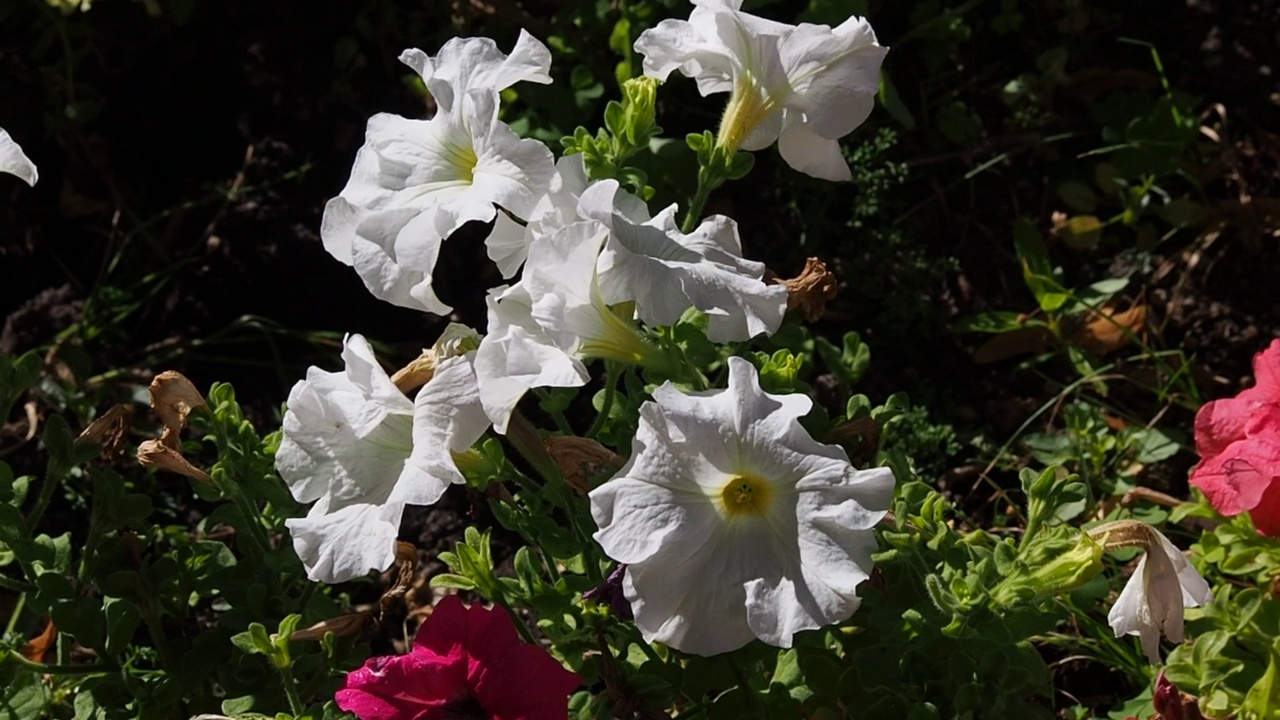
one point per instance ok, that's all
(804, 86)
(665, 272)
(415, 182)
(734, 523)
(542, 328)
(14, 161)
(361, 450)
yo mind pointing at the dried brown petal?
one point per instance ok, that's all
(173, 397)
(109, 431)
(155, 453)
(407, 559)
(35, 648)
(580, 458)
(860, 437)
(417, 373)
(347, 625)
(811, 290)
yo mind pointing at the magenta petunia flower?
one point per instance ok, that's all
(467, 663)
(1239, 444)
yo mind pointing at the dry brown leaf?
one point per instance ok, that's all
(155, 453)
(1023, 341)
(1109, 331)
(35, 648)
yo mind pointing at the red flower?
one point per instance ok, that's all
(466, 664)
(1239, 442)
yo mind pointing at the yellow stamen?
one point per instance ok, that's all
(745, 495)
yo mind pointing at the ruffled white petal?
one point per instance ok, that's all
(455, 168)
(517, 355)
(447, 418)
(344, 544)
(14, 161)
(476, 63)
(666, 272)
(706, 582)
(395, 254)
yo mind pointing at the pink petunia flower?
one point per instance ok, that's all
(1239, 444)
(466, 663)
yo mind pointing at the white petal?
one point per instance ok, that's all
(813, 154)
(395, 253)
(835, 75)
(447, 418)
(517, 355)
(338, 546)
(465, 64)
(512, 172)
(16, 162)
(507, 245)
(646, 262)
(680, 45)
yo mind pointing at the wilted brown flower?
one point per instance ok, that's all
(155, 453)
(810, 291)
(109, 431)
(173, 397)
(579, 458)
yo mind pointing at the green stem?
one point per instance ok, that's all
(515, 620)
(17, 613)
(753, 699)
(47, 669)
(161, 643)
(291, 690)
(697, 203)
(612, 371)
(50, 484)
(524, 436)
(18, 586)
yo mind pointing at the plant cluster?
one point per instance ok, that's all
(699, 538)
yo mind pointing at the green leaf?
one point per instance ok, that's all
(24, 696)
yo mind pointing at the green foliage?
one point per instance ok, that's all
(160, 606)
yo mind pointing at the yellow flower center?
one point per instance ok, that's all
(745, 495)
(463, 159)
(748, 106)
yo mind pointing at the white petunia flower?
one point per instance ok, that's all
(666, 272)
(16, 162)
(1162, 586)
(360, 450)
(509, 242)
(734, 523)
(415, 182)
(542, 328)
(804, 86)
(517, 355)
